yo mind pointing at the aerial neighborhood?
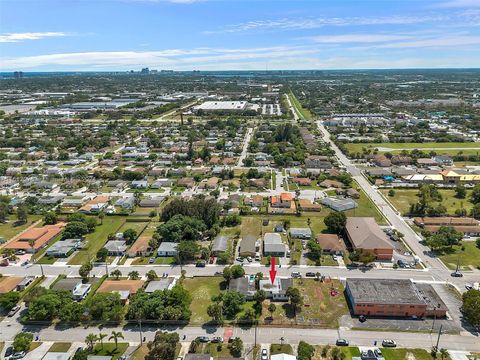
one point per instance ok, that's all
(205, 217)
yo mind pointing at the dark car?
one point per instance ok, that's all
(310, 274)
(203, 339)
(362, 318)
(9, 351)
(456, 274)
(200, 264)
(341, 342)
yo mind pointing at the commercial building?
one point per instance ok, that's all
(365, 235)
(393, 298)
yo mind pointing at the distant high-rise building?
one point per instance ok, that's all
(18, 74)
(145, 71)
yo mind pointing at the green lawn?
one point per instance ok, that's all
(215, 350)
(468, 257)
(138, 226)
(97, 239)
(405, 197)
(404, 354)
(357, 147)
(281, 349)
(158, 260)
(302, 112)
(366, 208)
(319, 307)
(202, 289)
(349, 352)
(142, 351)
(60, 347)
(110, 350)
(9, 230)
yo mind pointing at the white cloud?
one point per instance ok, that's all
(17, 37)
(314, 23)
(459, 4)
(436, 42)
(357, 38)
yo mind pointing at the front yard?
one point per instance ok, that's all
(467, 255)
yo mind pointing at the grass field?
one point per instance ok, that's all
(60, 347)
(406, 354)
(9, 230)
(281, 349)
(319, 307)
(201, 289)
(142, 351)
(109, 349)
(466, 258)
(357, 147)
(405, 197)
(349, 352)
(138, 226)
(301, 111)
(97, 239)
(366, 208)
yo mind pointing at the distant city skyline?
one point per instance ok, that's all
(120, 35)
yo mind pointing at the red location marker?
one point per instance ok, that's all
(273, 272)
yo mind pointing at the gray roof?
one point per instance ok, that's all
(384, 291)
(220, 244)
(198, 357)
(339, 204)
(240, 284)
(300, 231)
(160, 284)
(116, 246)
(248, 244)
(63, 246)
(168, 246)
(56, 356)
(365, 233)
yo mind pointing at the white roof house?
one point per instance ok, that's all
(283, 357)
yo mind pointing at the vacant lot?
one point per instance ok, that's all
(405, 197)
(97, 239)
(319, 308)
(11, 229)
(135, 225)
(467, 255)
(349, 352)
(397, 147)
(108, 349)
(60, 347)
(366, 208)
(202, 289)
(407, 354)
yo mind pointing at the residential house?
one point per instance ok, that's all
(248, 246)
(273, 245)
(278, 290)
(167, 249)
(331, 244)
(308, 205)
(301, 233)
(284, 200)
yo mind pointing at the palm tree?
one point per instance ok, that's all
(101, 216)
(101, 337)
(91, 339)
(31, 243)
(134, 275)
(115, 336)
(116, 274)
(151, 275)
(443, 353)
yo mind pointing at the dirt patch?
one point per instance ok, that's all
(319, 293)
(120, 285)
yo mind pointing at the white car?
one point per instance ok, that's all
(264, 354)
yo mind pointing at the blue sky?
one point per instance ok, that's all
(63, 35)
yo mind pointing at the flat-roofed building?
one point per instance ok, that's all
(273, 245)
(393, 298)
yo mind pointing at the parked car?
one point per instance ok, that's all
(362, 318)
(389, 343)
(217, 339)
(378, 353)
(200, 264)
(341, 342)
(296, 275)
(151, 260)
(13, 311)
(264, 354)
(456, 274)
(310, 274)
(203, 339)
(8, 351)
(249, 259)
(239, 259)
(18, 355)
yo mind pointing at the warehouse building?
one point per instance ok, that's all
(393, 298)
(339, 203)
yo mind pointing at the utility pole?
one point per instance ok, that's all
(41, 269)
(434, 317)
(255, 334)
(106, 268)
(438, 338)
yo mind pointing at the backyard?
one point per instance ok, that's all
(97, 239)
(10, 229)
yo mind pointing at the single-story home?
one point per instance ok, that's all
(167, 249)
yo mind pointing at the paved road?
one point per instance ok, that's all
(292, 108)
(246, 142)
(411, 238)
